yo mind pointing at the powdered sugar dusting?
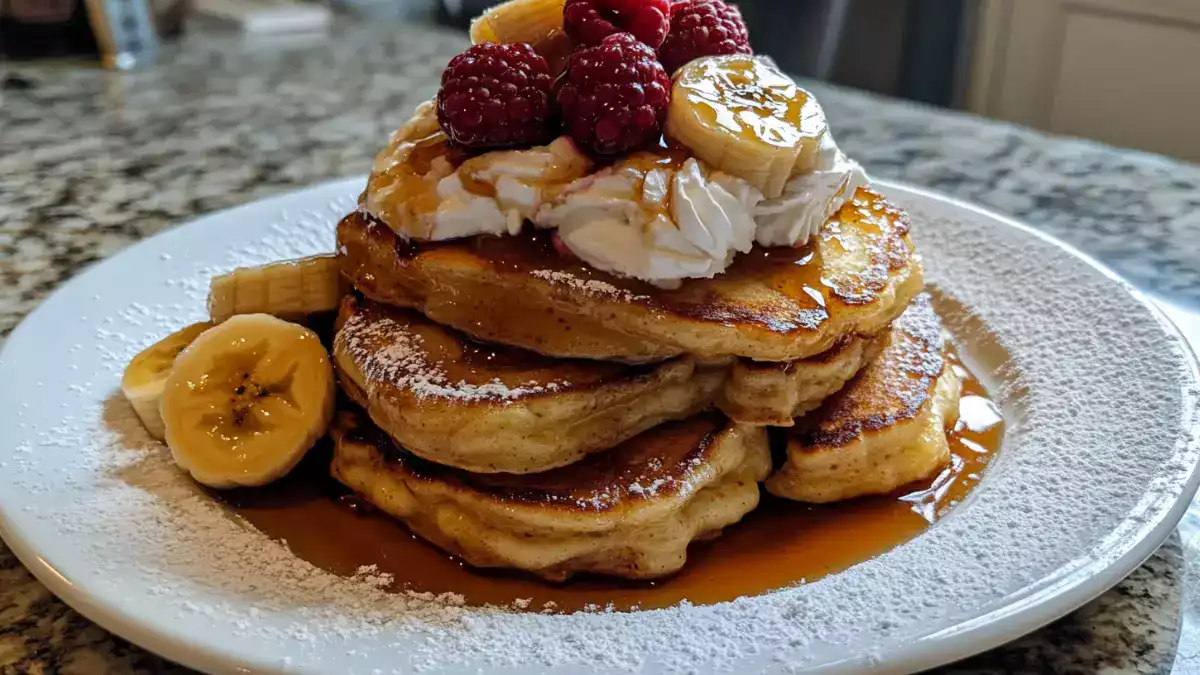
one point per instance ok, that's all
(592, 287)
(388, 352)
(1074, 487)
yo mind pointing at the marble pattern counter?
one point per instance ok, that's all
(91, 162)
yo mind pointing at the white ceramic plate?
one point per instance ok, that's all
(1099, 463)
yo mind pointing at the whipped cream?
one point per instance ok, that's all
(497, 192)
(809, 199)
(420, 194)
(658, 218)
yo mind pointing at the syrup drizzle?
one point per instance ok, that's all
(780, 544)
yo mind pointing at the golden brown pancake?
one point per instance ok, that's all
(774, 394)
(780, 304)
(629, 512)
(489, 408)
(886, 428)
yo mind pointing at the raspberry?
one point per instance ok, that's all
(560, 247)
(614, 96)
(496, 95)
(588, 22)
(703, 28)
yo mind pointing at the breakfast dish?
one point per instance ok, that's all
(629, 512)
(566, 276)
(294, 575)
(581, 297)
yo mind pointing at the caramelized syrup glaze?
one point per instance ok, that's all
(410, 193)
(752, 100)
(780, 544)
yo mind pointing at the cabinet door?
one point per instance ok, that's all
(1121, 71)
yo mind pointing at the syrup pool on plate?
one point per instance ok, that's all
(779, 544)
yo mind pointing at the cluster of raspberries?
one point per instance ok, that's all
(612, 98)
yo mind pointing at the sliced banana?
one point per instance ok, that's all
(537, 23)
(741, 115)
(529, 21)
(246, 400)
(146, 375)
(289, 289)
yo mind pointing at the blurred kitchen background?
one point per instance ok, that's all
(1126, 72)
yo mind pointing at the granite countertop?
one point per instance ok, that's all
(91, 162)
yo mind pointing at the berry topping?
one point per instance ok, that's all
(588, 22)
(496, 95)
(614, 97)
(560, 247)
(703, 28)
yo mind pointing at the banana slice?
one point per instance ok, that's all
(529, 21)
(743, 116)
(535, 22)
(246, 400)
(146, 375)
(290, 289)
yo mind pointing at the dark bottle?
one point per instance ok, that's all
(123, 33)
(46, 28)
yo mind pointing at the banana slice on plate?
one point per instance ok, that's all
(247, 400)
(146, 375)
(741, 115)
(289, 289)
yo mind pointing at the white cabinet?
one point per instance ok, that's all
(1125, 72)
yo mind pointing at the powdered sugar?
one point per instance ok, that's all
(388, 352)
(649, 489)
(592, 287)
(1073, 357)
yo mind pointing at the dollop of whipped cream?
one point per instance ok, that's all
(809, 199)
(658, 217)
(420, 194)
(497, 192)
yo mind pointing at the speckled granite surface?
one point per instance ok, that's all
(91, 162)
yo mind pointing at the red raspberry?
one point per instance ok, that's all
(588, 22)
(614, 96)
(496, 95)
(560, 247)
(703, 28)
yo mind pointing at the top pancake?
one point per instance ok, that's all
(779, 304)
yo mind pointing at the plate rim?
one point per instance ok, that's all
(992, 629)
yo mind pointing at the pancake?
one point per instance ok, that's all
(774, 394)
(630, 512)
(886, 428)
(490, 409)
(779, 304)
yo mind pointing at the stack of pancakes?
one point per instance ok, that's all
(521, 409)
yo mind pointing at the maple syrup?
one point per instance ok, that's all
(404, 192)
(780, 544)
